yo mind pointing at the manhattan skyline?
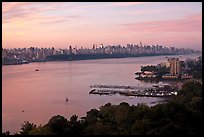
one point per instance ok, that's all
(82, 24)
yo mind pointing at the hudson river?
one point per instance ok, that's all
(36, 96)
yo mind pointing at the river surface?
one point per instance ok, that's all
(36, 96)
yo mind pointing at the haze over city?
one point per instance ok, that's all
(83, 24)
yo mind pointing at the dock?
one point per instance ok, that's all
(154, 91)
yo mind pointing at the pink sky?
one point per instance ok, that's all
(84, 24)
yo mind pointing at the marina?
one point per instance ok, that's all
(154, 91)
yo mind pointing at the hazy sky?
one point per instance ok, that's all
(59, 24)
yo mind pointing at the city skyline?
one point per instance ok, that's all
(83, 24)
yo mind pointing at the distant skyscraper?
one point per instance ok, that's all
(74, 51)
(175, 66)
(140, 43)
(93, 46)
(70, 49)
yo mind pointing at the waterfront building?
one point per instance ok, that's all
(145, 74)
(167, 64)
(74, 51)
(175, 66)
(70, 50)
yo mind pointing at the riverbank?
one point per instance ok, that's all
(161, 79)
(73, 57)
(84, 57)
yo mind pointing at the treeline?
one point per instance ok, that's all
(159, 70)
(195, 68)
(180, 116)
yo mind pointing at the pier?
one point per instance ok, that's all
(154, 91)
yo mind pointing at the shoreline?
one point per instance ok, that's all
(57, 58)
(162, 79)
(73, 57)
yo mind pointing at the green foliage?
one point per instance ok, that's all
(91, 116)
(149, 68)
(26, 127)
(158, 70)
(75, 126)
(195, 68)
(41, 130)
(58, 124)
(6, 133)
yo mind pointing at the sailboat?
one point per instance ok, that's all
(66, 99)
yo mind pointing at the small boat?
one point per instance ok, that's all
(66, 99)
(37, 70)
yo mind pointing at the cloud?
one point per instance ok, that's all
(190, 23)
(8, 7)
(142, 12)
(26, 11)
(57, 19)
(13, 10)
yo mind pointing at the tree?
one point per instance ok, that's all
(6, 133)
(41, 130)
(26, 127)
(76, 126)
(58, 124)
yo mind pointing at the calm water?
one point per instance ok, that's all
(41, 94)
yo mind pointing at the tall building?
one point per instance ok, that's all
(93, 47)
(175, 66)
(70, 49)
